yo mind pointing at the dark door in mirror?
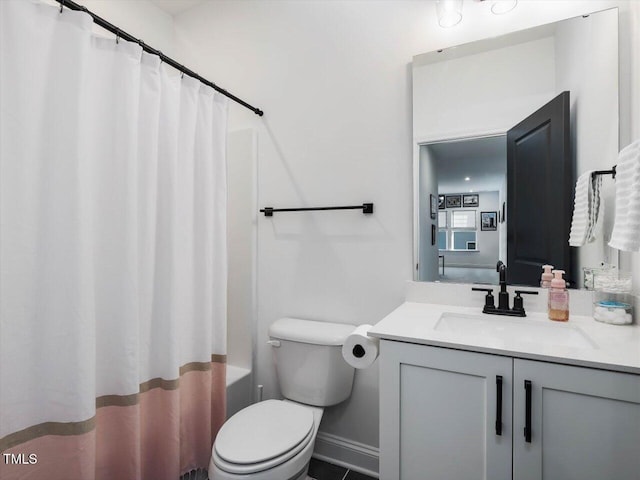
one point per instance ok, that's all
(541, 179)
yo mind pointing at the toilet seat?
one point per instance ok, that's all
(263, 436)
(245, 469)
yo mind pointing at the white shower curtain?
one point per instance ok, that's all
(112, 255)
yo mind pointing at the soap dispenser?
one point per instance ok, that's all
(558, 298)
(547, 276)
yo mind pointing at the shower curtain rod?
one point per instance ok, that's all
(124, 35)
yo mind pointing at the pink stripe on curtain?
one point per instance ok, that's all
(165, 434)
(201, 416)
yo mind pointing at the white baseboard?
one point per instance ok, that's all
(347, 453)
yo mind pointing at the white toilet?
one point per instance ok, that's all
(273, 439)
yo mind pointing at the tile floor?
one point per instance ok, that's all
(319, 470)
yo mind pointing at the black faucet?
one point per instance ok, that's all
(503, 297)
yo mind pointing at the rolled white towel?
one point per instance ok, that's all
(626, 224)
(595, 206)
(580, 224)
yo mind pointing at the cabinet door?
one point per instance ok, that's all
(585, 423)
(438, 410)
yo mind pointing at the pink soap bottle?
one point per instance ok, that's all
(547, 276)
(558, 298)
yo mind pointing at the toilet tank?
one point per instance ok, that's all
(309, 363)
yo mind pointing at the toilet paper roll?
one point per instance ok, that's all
(359, 349)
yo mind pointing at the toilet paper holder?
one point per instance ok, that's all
(358, 351)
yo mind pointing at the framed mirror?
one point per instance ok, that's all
(488, 117)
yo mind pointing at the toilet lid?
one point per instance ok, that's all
(263, 431)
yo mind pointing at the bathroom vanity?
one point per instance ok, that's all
(464, 395)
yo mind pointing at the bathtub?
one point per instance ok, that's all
(239, 394)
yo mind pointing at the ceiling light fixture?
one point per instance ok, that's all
(500, 7)
(466, 179)
(449, 12)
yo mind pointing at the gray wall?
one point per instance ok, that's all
(428, 264)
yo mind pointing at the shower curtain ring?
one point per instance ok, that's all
(117, 36)
(61, 5)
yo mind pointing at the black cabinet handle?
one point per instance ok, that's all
(498, 404)
(527, 417)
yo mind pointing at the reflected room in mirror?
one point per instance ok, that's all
(474, 173)
(502, 128)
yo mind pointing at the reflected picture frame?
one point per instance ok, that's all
(488, 221)
(453, 201)
(434, 206)
(472, 200)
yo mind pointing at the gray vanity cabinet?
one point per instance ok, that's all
(439, 406)
(585, 423)
(438, 411)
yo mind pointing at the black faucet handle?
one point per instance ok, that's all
(517, 300)
(527, 292)
(488, 299)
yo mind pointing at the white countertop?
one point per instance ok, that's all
(614, 347)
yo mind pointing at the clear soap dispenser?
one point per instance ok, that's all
(558, 298)
(547, 276)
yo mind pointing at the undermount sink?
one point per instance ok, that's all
(508, 329)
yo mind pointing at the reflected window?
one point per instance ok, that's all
(463, 219)
(464, 240)
(442, 220)
(463, 226)
(442, 240)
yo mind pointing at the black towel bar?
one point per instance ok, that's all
(365, 207)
